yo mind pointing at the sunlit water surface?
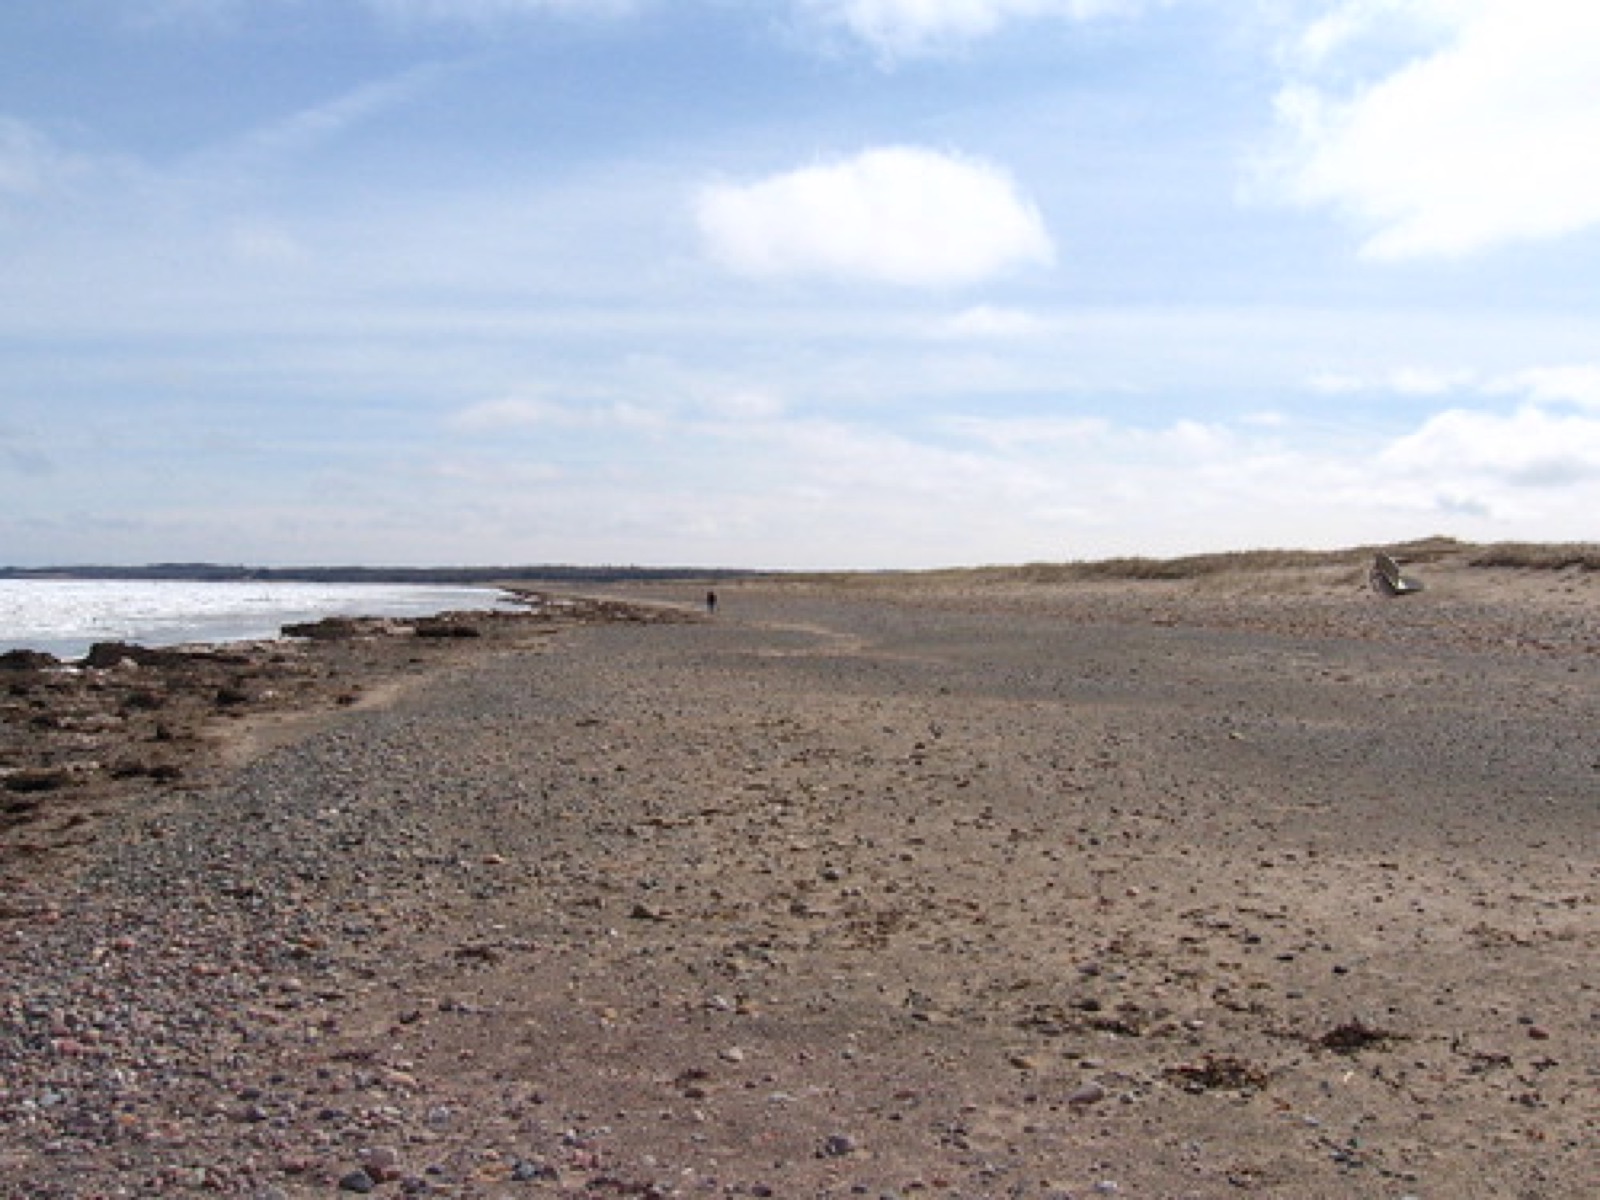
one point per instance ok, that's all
(65, 617)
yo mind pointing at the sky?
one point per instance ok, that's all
(793, 283)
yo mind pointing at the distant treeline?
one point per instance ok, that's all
(222, 573)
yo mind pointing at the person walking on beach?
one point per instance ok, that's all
(711, 603)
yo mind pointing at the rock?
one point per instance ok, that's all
(445, 627)
(1089, 1093)
(27, 660)
(357, 1181)
(525, 1171)
(839, 1145)
(382, 1163)
(1353, 1036)
(110, 654)
(46, 779)
(329, 629)
(105, 655)
(157, 771)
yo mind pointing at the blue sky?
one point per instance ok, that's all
(799, 283)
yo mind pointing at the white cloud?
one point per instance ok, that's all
(1530, 447)
(1534, 467)
(987, 321)
(491, 416)
(1266, 419)
(1409, 381)
(1032, 433)
(1576, 384)
(525, 413)
(1567, 384)
(1336, 383)
(745, 405)
(899, 27)
(1487, 136)
(1427, 381)
(896, 214)
(1375, 28)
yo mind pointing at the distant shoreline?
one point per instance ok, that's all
(488, 576)
(1526, 555)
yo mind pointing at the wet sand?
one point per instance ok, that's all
(871, 887)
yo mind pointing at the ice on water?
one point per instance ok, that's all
(65, 617)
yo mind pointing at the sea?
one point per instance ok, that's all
(65, 617)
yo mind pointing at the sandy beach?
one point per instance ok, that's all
(986, 886)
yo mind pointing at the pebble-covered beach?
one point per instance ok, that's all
(851, 889)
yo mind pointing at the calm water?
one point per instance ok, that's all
(66, 616)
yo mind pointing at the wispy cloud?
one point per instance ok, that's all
(1031, 433)
(987, 321)
(1410, 381)
(214, 14)
(490, 12)
(1485, 136)
(20, 456)
(1552, 386)
(31, 163)
(896, 28)
(511, 412)
(514, 413)
(234, 15)
(896, 214)
(311, 128)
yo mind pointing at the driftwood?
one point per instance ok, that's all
(1387, 580)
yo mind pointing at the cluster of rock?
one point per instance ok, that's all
(76, 735)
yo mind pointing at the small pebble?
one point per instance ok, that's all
(382, 1163)
(1089, 1093)
(529, 1172)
